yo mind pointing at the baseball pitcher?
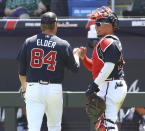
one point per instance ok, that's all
(42, 59)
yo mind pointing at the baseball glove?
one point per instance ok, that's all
(95, 106)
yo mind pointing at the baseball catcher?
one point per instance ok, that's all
(107, 93)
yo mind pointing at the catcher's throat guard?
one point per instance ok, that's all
(95, 107)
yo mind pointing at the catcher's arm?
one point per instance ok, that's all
(104, 73)
(86, 61)
(95, 106)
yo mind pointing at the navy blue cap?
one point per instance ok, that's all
(48, 18)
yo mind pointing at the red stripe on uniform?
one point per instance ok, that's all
(10, 25)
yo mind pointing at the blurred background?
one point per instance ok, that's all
(21, 19)
(69, 8)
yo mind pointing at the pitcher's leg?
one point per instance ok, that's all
(54, 112)
(35, 112)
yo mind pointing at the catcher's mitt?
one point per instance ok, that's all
(95, 106)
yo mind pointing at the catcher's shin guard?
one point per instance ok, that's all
(100, 126)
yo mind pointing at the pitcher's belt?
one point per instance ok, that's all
(47, 82)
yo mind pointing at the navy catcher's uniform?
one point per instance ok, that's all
(113, 90)
(42, 59)
(106, 66)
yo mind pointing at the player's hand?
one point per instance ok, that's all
(83, 52)
(22, 92)
(92, 88)
(76, 51)
(23, 89)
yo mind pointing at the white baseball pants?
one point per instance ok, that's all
(42, 99)
(113, 92)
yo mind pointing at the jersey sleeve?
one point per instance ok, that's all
(112, 54)
(21, 58)
(88, 63)
(70, 60)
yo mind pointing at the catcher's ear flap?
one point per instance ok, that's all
(114, 20)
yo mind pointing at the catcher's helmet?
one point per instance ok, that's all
(48, 18)
(105, 14)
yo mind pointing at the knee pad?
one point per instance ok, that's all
(100, 125)
(102, 128)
